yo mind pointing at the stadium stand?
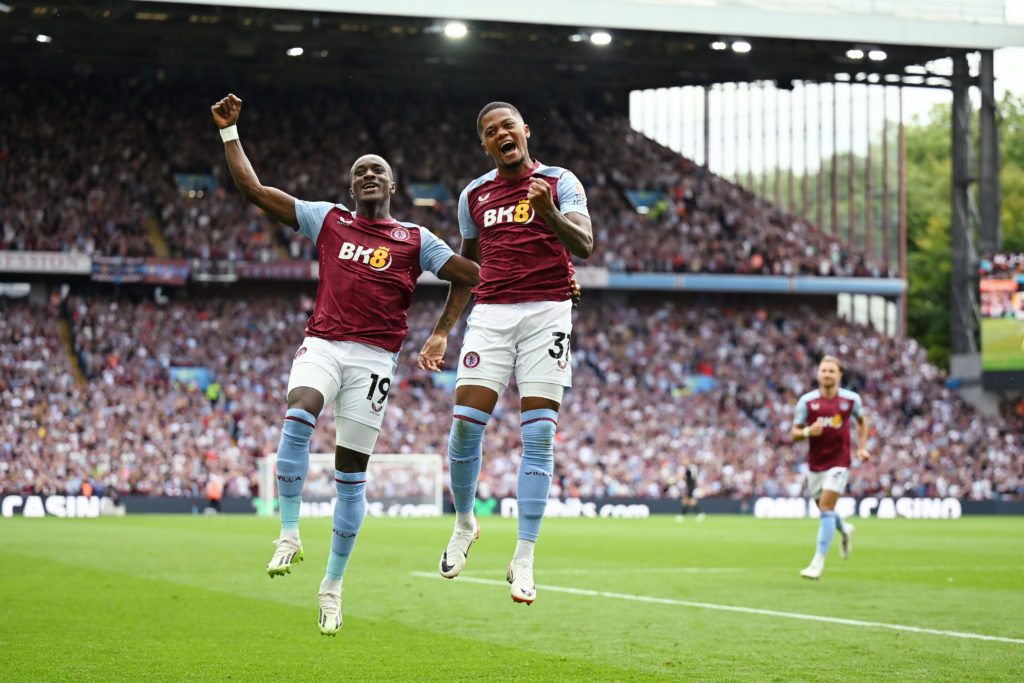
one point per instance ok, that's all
(655, 381)
(127, 171)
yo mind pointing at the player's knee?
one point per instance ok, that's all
(538, 431)
(349, 461)
(307, 399)
(463, 430)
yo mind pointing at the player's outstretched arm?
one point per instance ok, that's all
(460, 271)
(572, 229)
(279, 204)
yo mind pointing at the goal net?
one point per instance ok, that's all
(397, 485)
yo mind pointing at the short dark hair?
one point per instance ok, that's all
(387, 165)
(491, 107)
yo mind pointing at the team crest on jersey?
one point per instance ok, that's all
(400, 234)
(299, 353)
(378, 259)
(520, 212)
(844, 405)
(471, 360)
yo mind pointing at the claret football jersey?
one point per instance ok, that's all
(522, 259)
(368, 271)
(832, 448)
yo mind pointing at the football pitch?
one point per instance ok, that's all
(186, 598)
(1001, 344)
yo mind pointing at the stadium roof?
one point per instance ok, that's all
(401, 46)
(970, 24)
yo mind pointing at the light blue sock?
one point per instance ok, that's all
(826, 531)
(535, 469)
(840, 524)
(465, 454)
(349, 511)
(293, 464)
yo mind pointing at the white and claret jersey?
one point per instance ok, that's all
(832, 448)
(521, 258)
(368, 270)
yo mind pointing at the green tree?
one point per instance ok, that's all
(929, 177)
(929, 269)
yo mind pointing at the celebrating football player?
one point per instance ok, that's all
(521, 221)
(369, 264)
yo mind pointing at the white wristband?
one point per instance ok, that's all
(807, 432)
(230, 133)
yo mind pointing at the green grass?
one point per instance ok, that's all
(1001, 340)
(179, 597)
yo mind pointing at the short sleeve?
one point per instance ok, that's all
(858, 407)
(434, 253)
(800, 417)
(467, 227)
(311, 217)
(571, 197)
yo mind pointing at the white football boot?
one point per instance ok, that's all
(520, 575)
(289, 552)
(813, 570)
(453, 559)
(330, 612)
(846, 542)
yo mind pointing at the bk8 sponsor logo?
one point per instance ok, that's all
(377, 258)
(517, 213)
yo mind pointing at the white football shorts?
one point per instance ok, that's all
(356, 377)
(833, 479)
(531, 339)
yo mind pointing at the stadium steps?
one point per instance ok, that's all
(156, 237)
(69, 348)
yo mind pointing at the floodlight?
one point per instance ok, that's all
(455, 29)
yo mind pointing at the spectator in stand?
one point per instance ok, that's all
(121, 195)
(690, 360)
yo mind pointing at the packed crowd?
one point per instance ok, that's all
(656, 383)
(118, 176)
(87, 187)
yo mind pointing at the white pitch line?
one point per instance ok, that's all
(653, 570)
(744, 610)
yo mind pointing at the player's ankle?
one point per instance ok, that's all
(465, 521)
